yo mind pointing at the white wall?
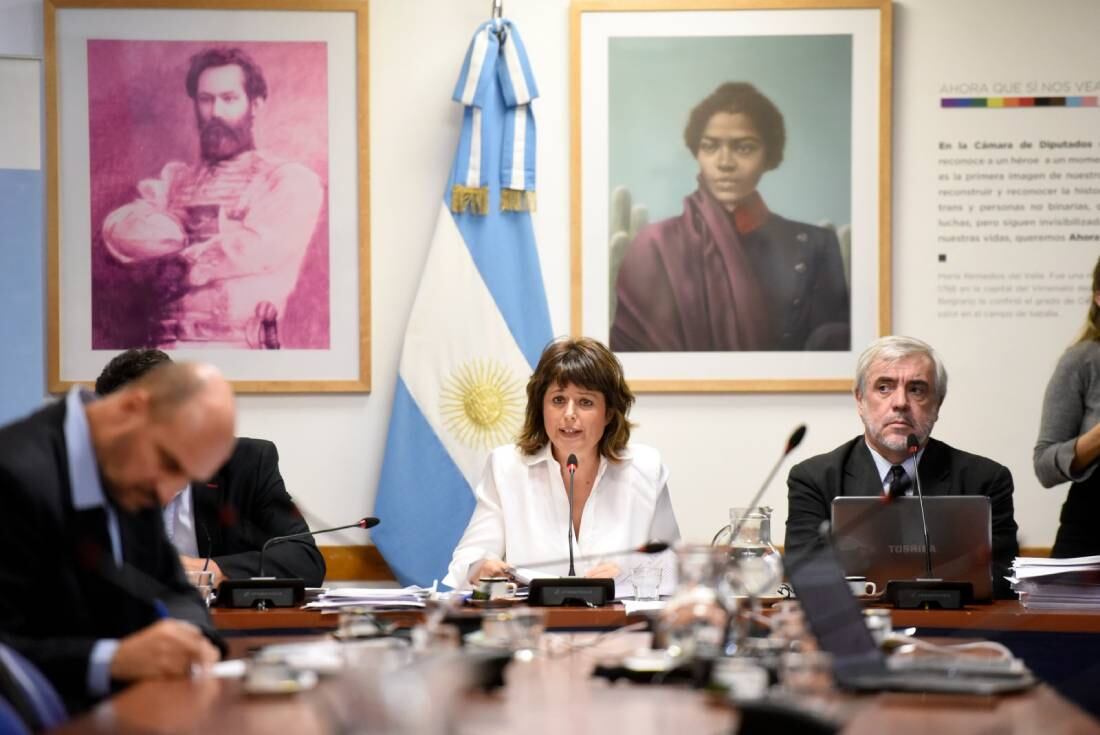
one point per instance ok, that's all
(998, 369)
(718, 447)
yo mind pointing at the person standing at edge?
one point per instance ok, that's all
(1068, 446)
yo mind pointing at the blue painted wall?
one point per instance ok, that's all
(22, 303)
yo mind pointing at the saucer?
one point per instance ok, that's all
(495, 603)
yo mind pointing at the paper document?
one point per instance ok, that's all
(1057, 584)
(233, 668)
(375, 592)
(372, 597)
(523, 576)
(1043, 561)
(633, 606)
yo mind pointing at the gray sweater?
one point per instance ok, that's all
(1071, 406)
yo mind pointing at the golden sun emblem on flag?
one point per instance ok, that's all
(482, 403)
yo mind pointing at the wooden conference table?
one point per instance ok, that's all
(1002, 615)
(554, 692)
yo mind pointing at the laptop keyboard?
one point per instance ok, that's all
(949, 675)
(961, 666)
(897, 681)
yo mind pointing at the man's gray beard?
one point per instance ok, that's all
(901, 444)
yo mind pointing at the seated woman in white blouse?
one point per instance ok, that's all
(577, 403)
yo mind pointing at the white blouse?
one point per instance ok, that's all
(522, 516)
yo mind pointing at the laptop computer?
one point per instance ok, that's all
(885, 541)
(836, 620)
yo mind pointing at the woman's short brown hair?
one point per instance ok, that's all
(588, 364)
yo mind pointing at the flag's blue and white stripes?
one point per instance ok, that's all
(478, 324)
(496, 65)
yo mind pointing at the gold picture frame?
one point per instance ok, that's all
(119, 109)
(638, 69)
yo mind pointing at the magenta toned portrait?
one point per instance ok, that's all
(209, 194)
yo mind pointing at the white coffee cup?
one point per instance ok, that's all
(861, 586)
(494, 588)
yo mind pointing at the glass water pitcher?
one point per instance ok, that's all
(755, 567)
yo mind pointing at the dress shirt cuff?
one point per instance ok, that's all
(99, 667)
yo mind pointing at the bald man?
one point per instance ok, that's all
(91, 589)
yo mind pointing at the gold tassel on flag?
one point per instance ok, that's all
(517, 200)
(475, 199)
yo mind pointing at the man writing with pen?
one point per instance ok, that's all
(221, 523)
(92, 590)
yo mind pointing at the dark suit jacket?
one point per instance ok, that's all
(850, 470)
(60, 590)
(244, 505)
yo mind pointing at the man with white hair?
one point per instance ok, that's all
(900, 385)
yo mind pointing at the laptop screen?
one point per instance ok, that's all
(885, 541)
(834, 615)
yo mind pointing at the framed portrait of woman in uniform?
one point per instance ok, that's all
(207, 189)
(731, 199)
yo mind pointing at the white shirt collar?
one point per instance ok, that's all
(884, 465)
(179, 522)
(544, 454)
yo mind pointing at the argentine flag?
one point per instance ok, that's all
(479, 322)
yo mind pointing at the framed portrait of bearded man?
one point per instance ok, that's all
(207, 189)
(731, 198)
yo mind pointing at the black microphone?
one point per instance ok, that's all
(571, 467)
(573, 590)
(264, 592)
(904, 593)
(912, 445)
(361, 523)
(793, 441)
(209, 546)
(929, 591)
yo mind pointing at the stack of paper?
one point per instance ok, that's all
(1057, 584)
(375, 598)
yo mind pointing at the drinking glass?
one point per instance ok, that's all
(204, 582)
(646, 582)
